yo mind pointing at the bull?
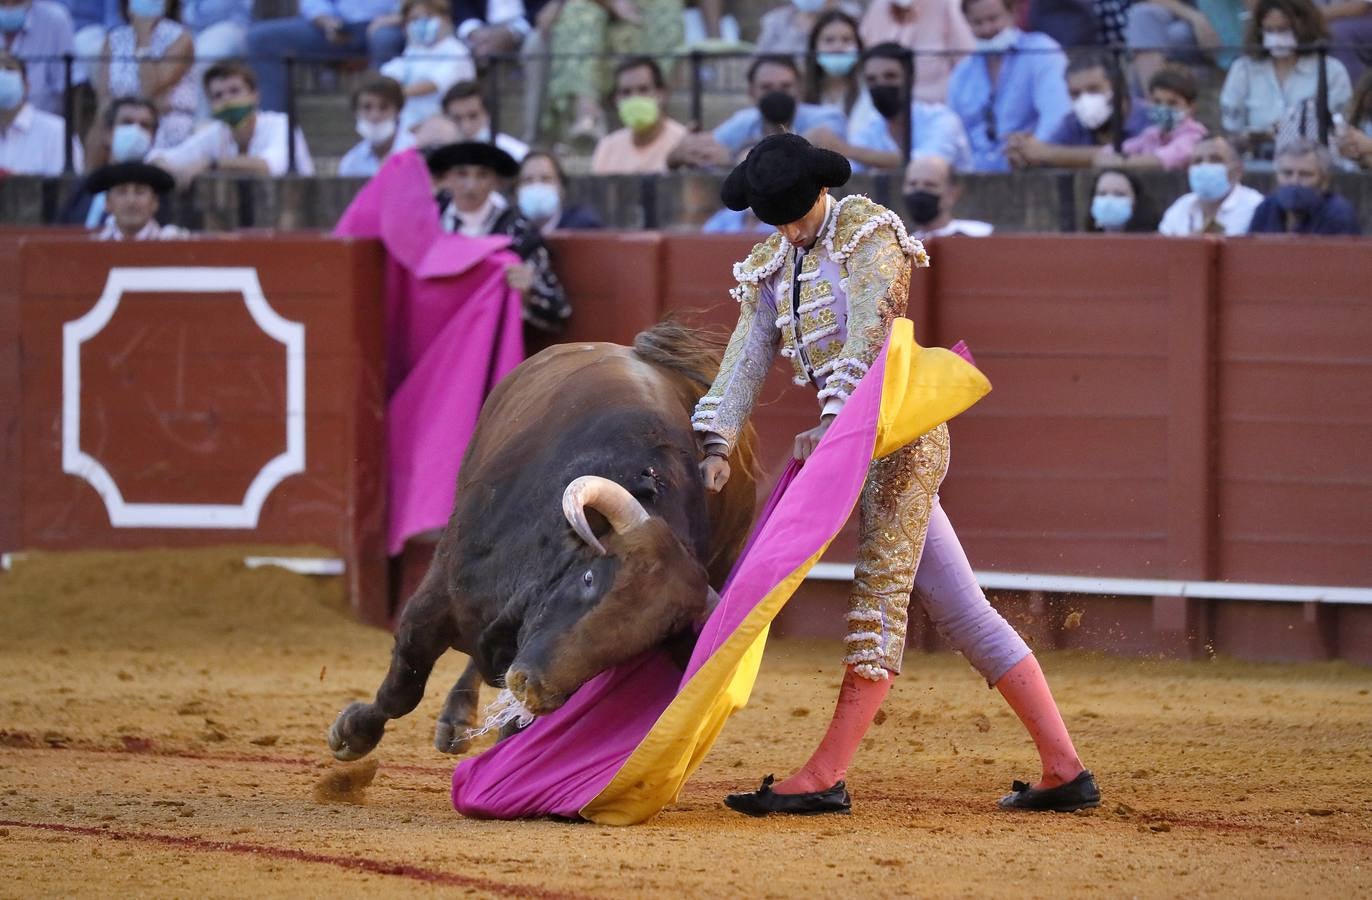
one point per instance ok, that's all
(581, 534)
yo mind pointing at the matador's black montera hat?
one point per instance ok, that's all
(781, 178)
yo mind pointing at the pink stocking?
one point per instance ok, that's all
(858, 701)
(1026, 690)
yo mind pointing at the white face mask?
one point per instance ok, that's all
(903, 4)
(375, 132)
(1279, 43)
(1092, 109)
(1001, 42)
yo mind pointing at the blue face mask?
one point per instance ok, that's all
(1003, 41)
(147, 9)
(538, 202)
(1165, 117)
(1297, 198)
(12, 17)
(1111, 212)
(837, 62)
(11, 89)
(422, 31)
(1209, 181)
(809, 6)
(130, 143)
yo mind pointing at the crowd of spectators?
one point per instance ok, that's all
(936, 88)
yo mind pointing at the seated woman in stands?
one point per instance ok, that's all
(151, 57)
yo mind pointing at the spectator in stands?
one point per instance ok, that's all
(932, 189)
(583, 36)
(243, 139)
(787, 28)
(935, 29)
(1303, 202)
(434, 59)
(325, 29)
(541, 192)
(1355, 139)
(773, 85)
(134, 191)
(1013, 84)
(90, 21)
(832, 71)
(1159, 29)
(1350, 32)
(649, 135)
(1217, 202)
(1102, 114)
(30, 139)
(880, 143)
(40, 33)
(466, 174)
(123, 134)
(735, 221)
(220, 28)
(151, 57)
(491, 27)
(376, 106)
(1166, 143)
(1269, 93)
(1119, 205)
(464, 105)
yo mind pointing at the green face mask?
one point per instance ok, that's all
(234, 114)
(638, 113)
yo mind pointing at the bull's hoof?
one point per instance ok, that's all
(451, 738)
(356, 731)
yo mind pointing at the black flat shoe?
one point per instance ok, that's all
(1079, 793)
(764, 801)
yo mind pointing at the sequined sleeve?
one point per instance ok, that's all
(726, 406)
(878, 287)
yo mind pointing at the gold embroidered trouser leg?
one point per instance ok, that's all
(893, 520)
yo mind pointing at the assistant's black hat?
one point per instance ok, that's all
(472, 153)
(781, 178)
(106, 177)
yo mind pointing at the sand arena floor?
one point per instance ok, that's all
(161, 734)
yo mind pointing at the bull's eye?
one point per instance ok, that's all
(588, 579)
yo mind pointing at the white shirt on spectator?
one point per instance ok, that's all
(1185, 217)
(444, 64)
(362, 162)
(32, 145)
(215, 142)
(509, 13)
(149, 232)
(968, 227)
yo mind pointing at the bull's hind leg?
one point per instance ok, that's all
(459, 713)
(426, 630)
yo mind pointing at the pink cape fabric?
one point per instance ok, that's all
(453, 330)
(563, 760)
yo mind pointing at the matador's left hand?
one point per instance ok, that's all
(807, 441)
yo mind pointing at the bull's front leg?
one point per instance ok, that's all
(426, 630)
(459, 712)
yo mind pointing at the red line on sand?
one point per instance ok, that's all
(362, 863)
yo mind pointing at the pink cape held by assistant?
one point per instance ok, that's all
(453, 330)
(625, 743)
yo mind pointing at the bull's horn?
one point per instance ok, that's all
(606, 497)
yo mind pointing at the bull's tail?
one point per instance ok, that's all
(695, 354)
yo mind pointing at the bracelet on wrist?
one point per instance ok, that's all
(715, 451)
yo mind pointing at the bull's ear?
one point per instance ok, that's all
(496, 649)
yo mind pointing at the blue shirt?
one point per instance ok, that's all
(935, 130)
(197, 15)
(104, 13)
(745, 126)
(1071, 133)
(729, 221)
(1030, 95)
(1334, 215)
(348, 10)
(42, 42)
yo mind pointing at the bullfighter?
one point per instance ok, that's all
(824, 290)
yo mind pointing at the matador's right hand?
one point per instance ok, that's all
(714, 471)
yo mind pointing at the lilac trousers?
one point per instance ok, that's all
(945, 584)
